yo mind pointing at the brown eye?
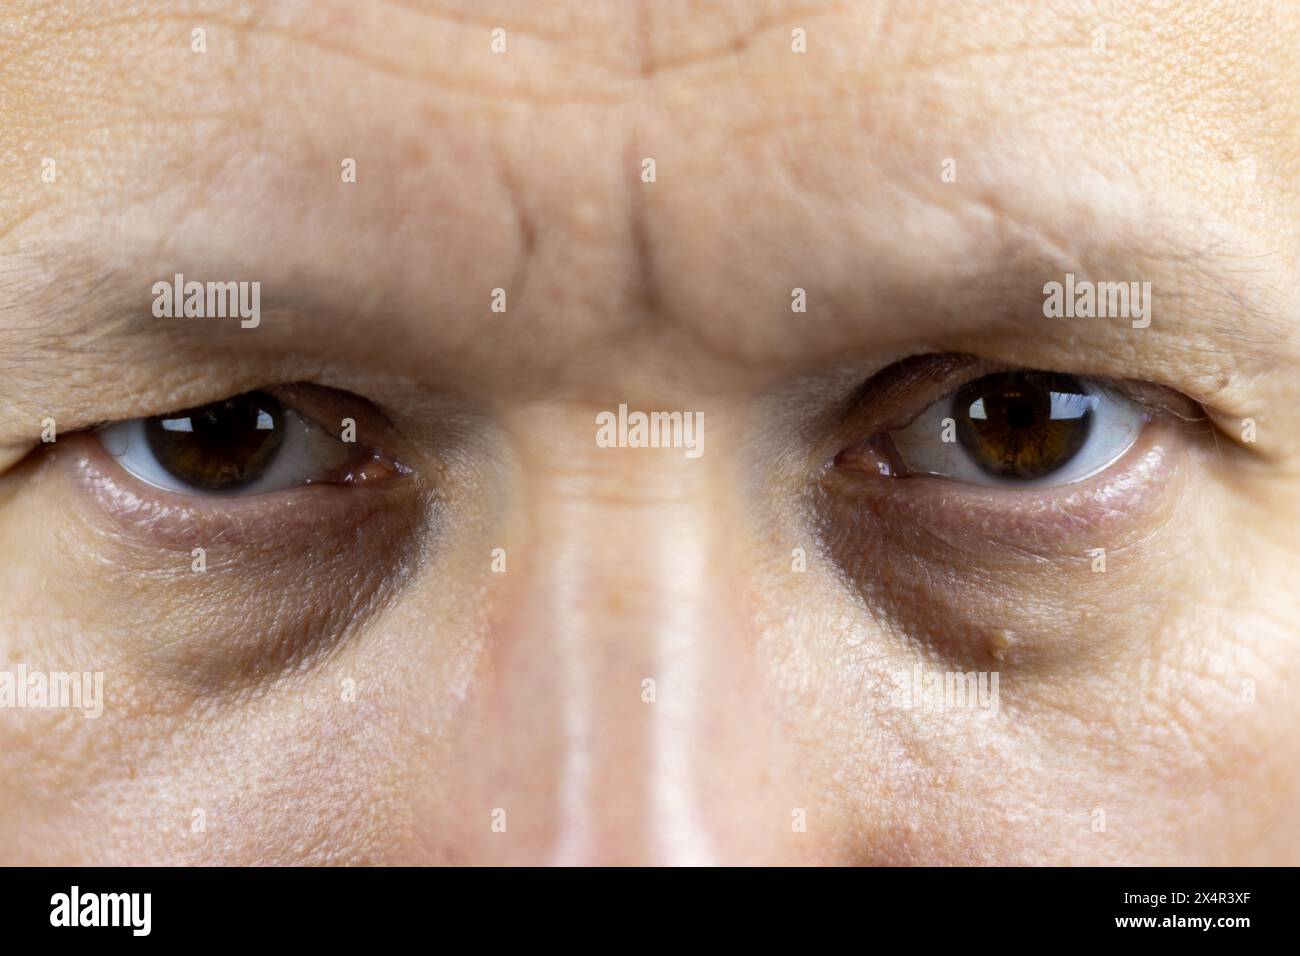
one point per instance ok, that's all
(1019, 428)
(1023, 424)
(218, 447)
(252, 444)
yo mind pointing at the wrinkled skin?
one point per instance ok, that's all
(352, 681)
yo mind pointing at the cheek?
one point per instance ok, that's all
(301, 777)
(1119, 725)
(1154, 762)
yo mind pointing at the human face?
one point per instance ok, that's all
(479, 634)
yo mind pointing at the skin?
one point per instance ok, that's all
(1146, 714)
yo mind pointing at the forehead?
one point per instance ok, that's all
(792, 145)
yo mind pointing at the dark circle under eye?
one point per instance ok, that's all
(1023, 424)
(222, 446)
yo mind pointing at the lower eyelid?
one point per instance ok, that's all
(182, 522)
(295, 572)
(1107, 510)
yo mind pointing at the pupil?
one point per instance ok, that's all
(1019, 414)
(221, 446)
(1022, 424)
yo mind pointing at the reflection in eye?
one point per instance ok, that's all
(250, 444)
(1018, 428)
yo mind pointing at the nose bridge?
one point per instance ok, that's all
(613, 613)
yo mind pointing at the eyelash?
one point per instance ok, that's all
(888, 450)
(1002, 445)
(299, 516)
(241, 447)
(949, 441)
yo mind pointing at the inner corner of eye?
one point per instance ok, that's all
(876, 455)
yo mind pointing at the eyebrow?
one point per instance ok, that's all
(70, 322)
(1223, 313)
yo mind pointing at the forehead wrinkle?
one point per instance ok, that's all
(447, 52)
(90, 118)
(671, 39)
(992, 150)
(666, 236)
(1217, 71)
(591, 34)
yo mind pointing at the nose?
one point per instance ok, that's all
(621, 719)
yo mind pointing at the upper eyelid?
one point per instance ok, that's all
(296, 396)
(1153, 397)
(1158, 399)
(900, 393)
(897, 395)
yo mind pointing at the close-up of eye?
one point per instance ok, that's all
(1019, 428)
(649, 433)
(242, 446)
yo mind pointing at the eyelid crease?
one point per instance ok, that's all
(11, 455)
(327, 407)
(909, 388)
(1157, 399)
(1194, 418)
(322, 406)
